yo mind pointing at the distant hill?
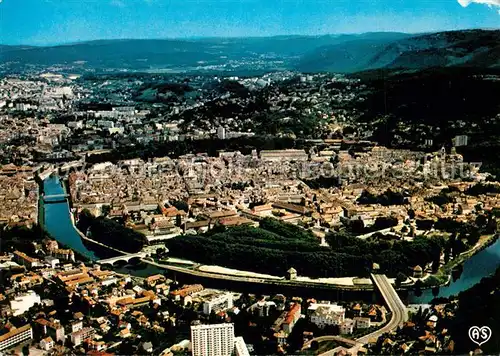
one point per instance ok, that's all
(336, 53)
(5, 48)
(474, 48)
(169, 53)
(248, 53)
(350, 56)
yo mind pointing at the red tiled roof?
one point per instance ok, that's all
(291, 314)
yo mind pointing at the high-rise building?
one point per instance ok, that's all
(212, 340)
(221, 133)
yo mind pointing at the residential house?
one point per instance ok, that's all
(362, 323)
(47, 343)
(51, 328)
(347, 326)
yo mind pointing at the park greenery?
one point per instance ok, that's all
(261, 250)
(275, 246)
(388, 198)
(110, 232)
(357, 226)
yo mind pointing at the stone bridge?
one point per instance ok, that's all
(125, 258)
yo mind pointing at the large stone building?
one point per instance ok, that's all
(326, 314)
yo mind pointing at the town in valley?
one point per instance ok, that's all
(246, 203)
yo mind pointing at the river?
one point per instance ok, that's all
(478, 266)
(58, 224)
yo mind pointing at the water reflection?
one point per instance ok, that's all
(58, 222)
(473, 270)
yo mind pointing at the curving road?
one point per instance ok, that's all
(396, 306)
(339, 339)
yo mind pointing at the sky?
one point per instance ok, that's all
(44, 22)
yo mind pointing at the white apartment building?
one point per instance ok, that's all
(326, 314)
(76, 326)
(79, 336)
(362, 323)
(105, 124)
(16, 336)
(460, 140)
(218, 303)
(221, 133)
(20, 304)
(212, 340)
(240, 347)
(52, 261)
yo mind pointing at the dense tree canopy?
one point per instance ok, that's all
(388, 198)
(479, 189)
(275, 247)
(111, 233)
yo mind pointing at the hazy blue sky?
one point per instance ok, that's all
(59, 21)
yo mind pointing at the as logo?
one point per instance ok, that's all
(480, 335)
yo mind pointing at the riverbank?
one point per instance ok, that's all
(58, 222)
(484, 242)
(250, 277)
(88, 239)
(466, 271)
(41, 223)
(440, 279)
(78, 256)
(443, 276)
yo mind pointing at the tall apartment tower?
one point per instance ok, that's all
(221, 133)
(212, 340)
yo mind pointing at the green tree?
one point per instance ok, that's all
(400, 278)
(26, 350)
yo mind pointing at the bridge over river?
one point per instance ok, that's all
(124, 258)
(55, 198)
